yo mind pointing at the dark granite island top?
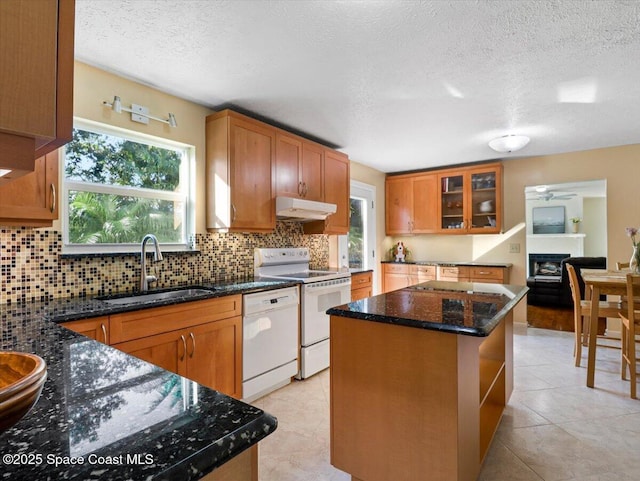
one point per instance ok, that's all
(106, 415)
(419, 380)
(468, 308)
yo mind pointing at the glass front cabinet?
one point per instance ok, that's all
(471, 200)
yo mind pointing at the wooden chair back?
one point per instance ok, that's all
(633, 297)
(622, 265)
(573, 283)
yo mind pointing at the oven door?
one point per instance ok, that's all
(317, 297)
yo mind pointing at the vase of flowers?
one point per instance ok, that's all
(575, 224)
(634, 261)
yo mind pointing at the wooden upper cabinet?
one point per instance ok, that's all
(411, 204)
(312, 171)
(298, 168)
(240, 152)
(36, 81)
(336, 191)
(471, 200)
(32, 200)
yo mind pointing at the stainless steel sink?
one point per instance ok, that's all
(156, 296)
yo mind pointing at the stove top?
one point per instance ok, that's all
(291, 264)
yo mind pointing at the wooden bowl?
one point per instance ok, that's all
(22, 377)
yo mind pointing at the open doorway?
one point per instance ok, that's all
(356, 250)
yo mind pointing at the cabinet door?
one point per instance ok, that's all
(215, 355)
(484, 190)
(168, 350)
(452, 203)
(288, 158)
(252, 147)
(399, 205)
(312, 172)
(394, 282)
(96, 328)
(31, 200)
(425, 204)
(36, 78)
(336, 185)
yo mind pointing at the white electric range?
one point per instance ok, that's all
(320, 290)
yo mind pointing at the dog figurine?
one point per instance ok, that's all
(400, 252)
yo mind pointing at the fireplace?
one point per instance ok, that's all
(546, 266)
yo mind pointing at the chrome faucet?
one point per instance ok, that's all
(145, 279)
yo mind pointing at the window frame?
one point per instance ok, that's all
(185, 195)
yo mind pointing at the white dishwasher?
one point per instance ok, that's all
(270, 340)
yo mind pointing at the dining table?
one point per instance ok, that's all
(599, 282)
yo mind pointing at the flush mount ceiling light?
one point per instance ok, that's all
(139, 113)
(509, 143)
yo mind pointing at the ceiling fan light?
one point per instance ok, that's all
(509, 143)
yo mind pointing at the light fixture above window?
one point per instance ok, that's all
(509, 143)
(139, 113)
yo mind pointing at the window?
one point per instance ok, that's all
(119, 186)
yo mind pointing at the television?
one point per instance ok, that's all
(548, 220)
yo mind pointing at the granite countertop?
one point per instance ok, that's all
(467, 308)
(452, 263)
(123, 417)
(71, 309)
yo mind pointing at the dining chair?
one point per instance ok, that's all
(630, 325)
(581, 310)
(622, 265)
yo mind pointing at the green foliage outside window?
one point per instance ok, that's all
(127, 215)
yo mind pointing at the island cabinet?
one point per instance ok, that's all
(470, 200)
(201, 340)
(32, 200)
(433, 369)
(411, 204)
(239, 179)
(36, 81)
(361, 285)
(298, 168)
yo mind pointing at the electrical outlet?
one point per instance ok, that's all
(514, 248)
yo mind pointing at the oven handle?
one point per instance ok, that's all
(312, 290)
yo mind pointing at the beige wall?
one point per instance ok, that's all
(92, 86)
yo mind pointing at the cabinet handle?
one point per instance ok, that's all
(300, 193)
(193, 343)
(104, 332)
(233, 208)
(184, 345)
(53, 198)
(304, 189)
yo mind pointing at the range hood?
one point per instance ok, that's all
(291, 208)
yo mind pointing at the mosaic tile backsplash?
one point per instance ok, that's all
(32, 269)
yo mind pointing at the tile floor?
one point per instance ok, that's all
(554, 428)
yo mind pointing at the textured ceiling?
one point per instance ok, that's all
(398, 85)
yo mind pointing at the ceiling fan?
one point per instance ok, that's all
(548, 195)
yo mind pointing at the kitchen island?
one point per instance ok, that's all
(419, 380)
(106, 415)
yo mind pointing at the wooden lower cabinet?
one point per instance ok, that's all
(210, 354)
(399, 276)
(436, 398)
(361, 285)
(96, 328)
(244, 467)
